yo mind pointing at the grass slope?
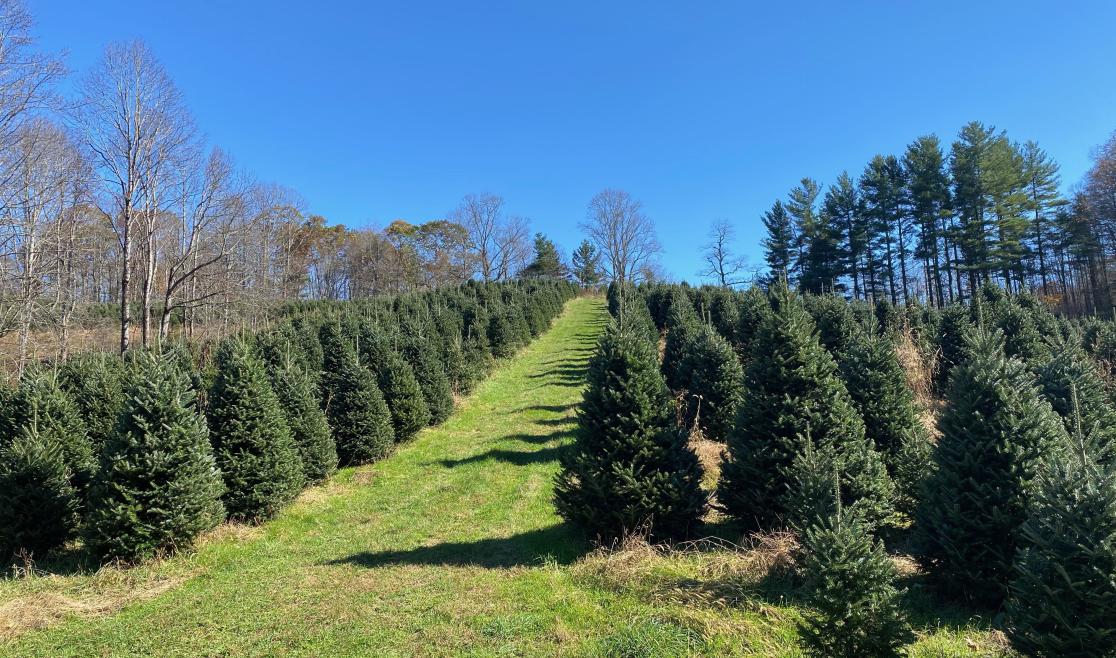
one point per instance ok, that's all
(450, 547)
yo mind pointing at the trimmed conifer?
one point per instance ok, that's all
(995, 428)
(1069, 373)
(501, 333)
(38, 504)
(306, 420)
(753, 308)
(714, 383)
(403, 395)
(1063, 598)
(359, 418)
(94, 381)
(854, 608)
(879, 391)
(791, 387)
(630, 469)
(953, 350)
(250, 436)
(158, 486)
(421, 351)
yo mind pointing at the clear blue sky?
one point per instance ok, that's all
(705, 110)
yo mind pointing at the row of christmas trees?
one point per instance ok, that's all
(139, 455)
(1013, 507)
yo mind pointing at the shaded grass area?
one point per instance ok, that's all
(449, 548)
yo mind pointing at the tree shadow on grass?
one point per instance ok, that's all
(557, 542)
(554, 408)
(516, 457)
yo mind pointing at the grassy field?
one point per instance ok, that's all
(450, 547)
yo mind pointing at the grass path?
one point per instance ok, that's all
(450, 547)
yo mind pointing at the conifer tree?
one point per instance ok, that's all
(94, 381)
(778, 246)
(713, 380)
(359, 418)
(38, 504)
(420, 350)
(953, 327)
(502, 335)
(994, 430)
(854, 608)
(403, 395)
(251, 439)
(879, 391)
(587, 265)
(309, 427)
(1063, 599)
(790, 385)
(753, 308)
(158, 486)
(1069, 373)
(681, 325)
(630, 469)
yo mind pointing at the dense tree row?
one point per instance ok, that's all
(138, 455)
(935, 224)
(1012, 507)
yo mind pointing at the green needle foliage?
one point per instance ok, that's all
(402, 393)
(94, 381)
(791, 387)
(630, 469)
(1070, 373)
(309, 427)
(421, 351)
(994, 430)
(854, 607)
(1063, 599)
(38, 504)
(358, 416)
(158, 486)
(713, 380)
(953, 350)
(251, 439)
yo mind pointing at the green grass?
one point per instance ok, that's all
(449, 547)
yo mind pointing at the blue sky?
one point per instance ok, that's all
(707, 110)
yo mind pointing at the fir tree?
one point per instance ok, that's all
(251, 439)
(791, 384)
(879, 391)
(630, 469)
(713, 380)
(953, 349)
(158, 486)
(547, 262)
(753, 308)
(994, 430)
(854, 608)
(1063, 598)
(309, 427)
(94, 381)
(358, 416)
(1069, 373)
(587, 265)
(38, 504)
(502, 335)
(421, 352)
(403, 395)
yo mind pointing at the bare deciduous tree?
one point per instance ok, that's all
(617, 226)
(721, 264)
(501, 244)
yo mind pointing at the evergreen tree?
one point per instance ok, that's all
(306, 420)
(801, 206)
(431, 375)
(724, 314)
(158, 486)
(791, 387)
(778, 246)
(94, 381)
(630, 469)
(883, 191)
(681, 325)
(403, 395)
(928, 192)
(1063, 598)
(1067, 374)
(879, 391)
(587, 265)
(854, 609)
(1040, 176)
(251, 439)
(995, 428)
(837, 326)
(713, 380)
(38, 504)
(503, 337)
(753, 308)
(953, 349)
(842, 207)
(358, 416)
(547, 262)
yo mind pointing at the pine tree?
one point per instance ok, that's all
(251, 439)
(713, 380)
(928, 192)
(879, 391)
(38, 504)
(359, 418)
(994, 430)
(778, 246)
(94, 381)
(854, 609)
(306, 420)
(547, 262)
(1063, 598)
(39, 400)
(791, 387)
(630, 469)
(158, 486)
(587, 265)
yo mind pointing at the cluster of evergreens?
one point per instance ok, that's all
(1008, 500)
(137, 456)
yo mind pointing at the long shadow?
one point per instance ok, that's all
(553, 408)
(516, 457)
(558, 542)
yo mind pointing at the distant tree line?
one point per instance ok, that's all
(934, 225)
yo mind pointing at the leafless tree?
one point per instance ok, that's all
(617, 226)
(135, 124)
(721, 264)
(501, 244)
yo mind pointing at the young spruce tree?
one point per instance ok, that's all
(251, 439)
(158, 486)
(630, 469)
